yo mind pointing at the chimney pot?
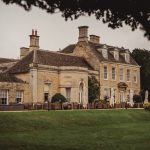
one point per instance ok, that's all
(94, 39)
(83, 33)
(36, 32)
(34, 40)
(32, 32)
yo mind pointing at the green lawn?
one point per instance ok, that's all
(75, 130)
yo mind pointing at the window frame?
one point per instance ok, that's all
(128, 76)
(114, 79)
(5, 98)
(116, 54)
(127, 57)
(105, 53)
(135, 75)
(105, 73)
(19, 96)
(121, 75)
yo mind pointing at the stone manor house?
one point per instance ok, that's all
(39, 74)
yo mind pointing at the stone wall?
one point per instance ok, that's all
(12, 88)
(83, 50)
(72, 79)
(131, 85)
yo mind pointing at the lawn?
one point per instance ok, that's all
(75, 130)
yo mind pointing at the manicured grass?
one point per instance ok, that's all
(75, 130)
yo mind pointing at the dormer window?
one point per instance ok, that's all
(127, 57)
(116, 55)
(104, 51)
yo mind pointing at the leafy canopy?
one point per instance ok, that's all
(142, 57)
(135, 13)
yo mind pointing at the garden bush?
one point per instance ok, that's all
(58, 98)
(147, 106)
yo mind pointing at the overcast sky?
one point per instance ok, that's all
(16, 24)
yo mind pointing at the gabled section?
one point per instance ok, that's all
(48, 58)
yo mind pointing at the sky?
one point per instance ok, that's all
(55, 33)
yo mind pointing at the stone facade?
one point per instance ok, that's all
(43, 73)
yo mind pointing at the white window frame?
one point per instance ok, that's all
(127, 57)
(121, 74)
(105, 73)
(113, 73)
(135, 75)
(128, 75)
(116, 55)
(19, 95)
(105, 53)
(2, 96)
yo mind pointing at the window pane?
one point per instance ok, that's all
(104, 53)
(135, 76)
(121, 74)
(19, 96)
(105, 72)
(114, 73)
(3, 96)
(128, 74)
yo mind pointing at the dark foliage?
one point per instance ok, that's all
(93, 89)
(58, 98)
(135, 13)
(137, 99)
(142, 57)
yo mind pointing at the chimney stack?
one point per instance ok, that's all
(83, 33)
(34, 40)
(94, 39)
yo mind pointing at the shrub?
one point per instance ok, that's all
(58, 98)
(137, 99)
(146, 106)
(93, 89)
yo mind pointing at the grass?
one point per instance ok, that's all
(75, 130)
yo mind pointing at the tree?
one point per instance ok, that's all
(137, 98)
(93, 89)
(58, 98)
(142, 57)
(135, 13)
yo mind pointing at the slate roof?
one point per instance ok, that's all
(48, 58)
(69, 49)
(111, 58)
(6, 77)
(7, 60)
(22, 66)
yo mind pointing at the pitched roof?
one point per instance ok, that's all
(22, 66)
(48, 58)
(68, 49)
(7, 60)
(111, 58)
(94, 48)
(6, 77)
